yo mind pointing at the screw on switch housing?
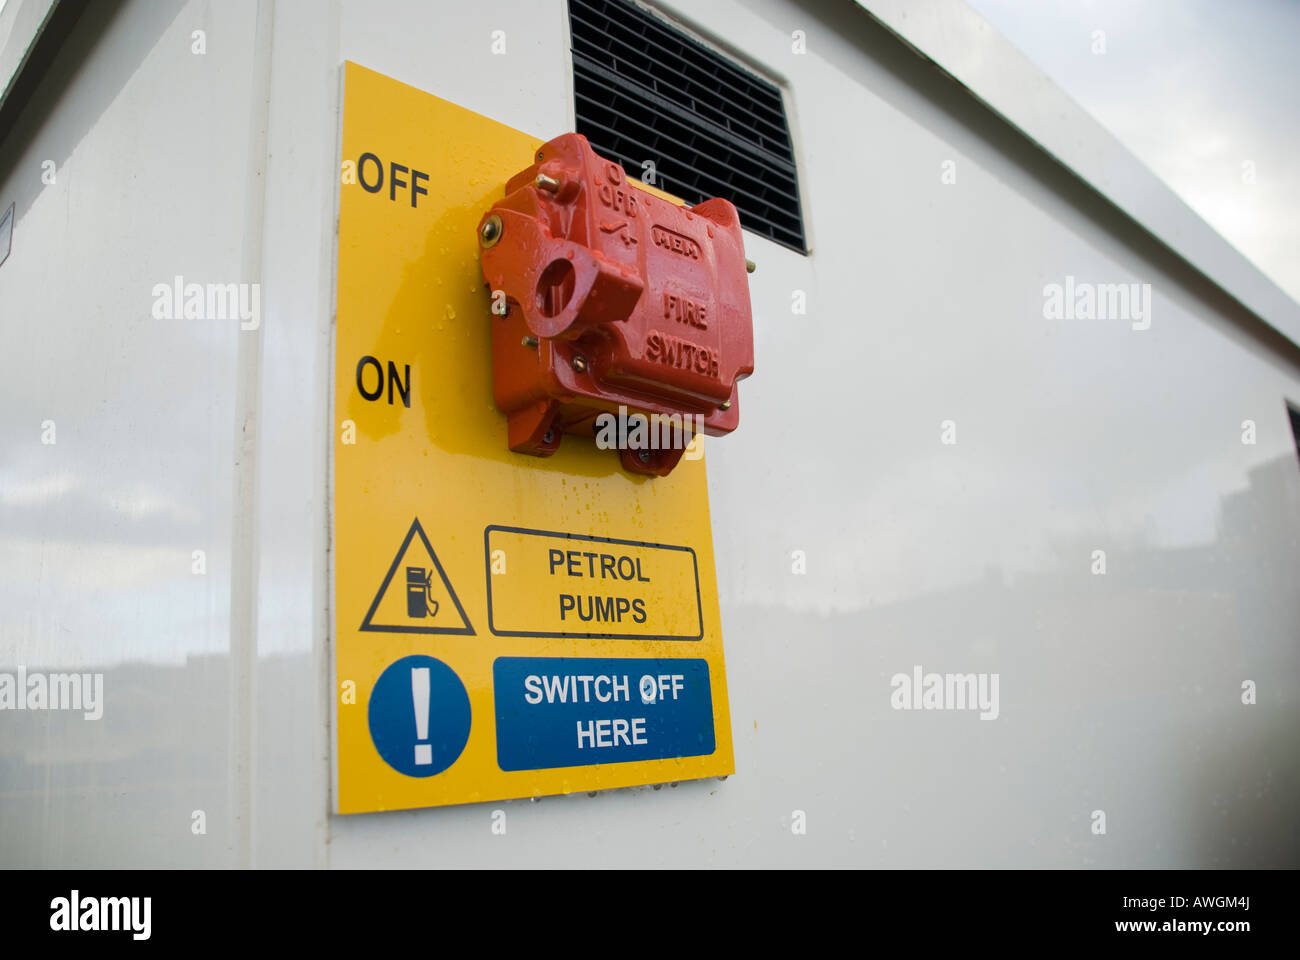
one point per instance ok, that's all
(615, 298)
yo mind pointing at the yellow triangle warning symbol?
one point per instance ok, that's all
(416, 596)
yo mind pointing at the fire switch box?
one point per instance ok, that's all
(609, 299)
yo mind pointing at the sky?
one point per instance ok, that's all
(1206, 93)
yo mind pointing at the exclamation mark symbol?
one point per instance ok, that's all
(420, 696)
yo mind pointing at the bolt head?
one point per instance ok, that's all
(491, 231)
(579, 364)
(643, 456)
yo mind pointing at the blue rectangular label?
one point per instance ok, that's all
(576, 711)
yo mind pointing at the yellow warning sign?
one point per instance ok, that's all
(504, 625)
(409, 600)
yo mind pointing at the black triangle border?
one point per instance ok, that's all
(367, 626)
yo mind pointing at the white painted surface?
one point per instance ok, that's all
(149, 146)
(965, 45)
(925, 300)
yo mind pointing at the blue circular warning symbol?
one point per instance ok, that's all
(419, 716)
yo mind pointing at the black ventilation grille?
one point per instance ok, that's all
(645, 91)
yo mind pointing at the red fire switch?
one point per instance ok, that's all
(610, 300)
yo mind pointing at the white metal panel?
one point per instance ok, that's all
(965, 45)
(146, 144)
(289, 758)
(925, 303)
